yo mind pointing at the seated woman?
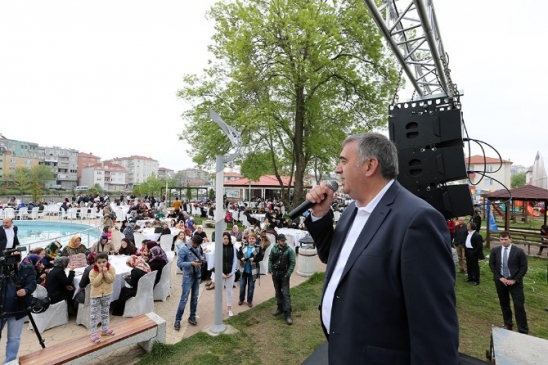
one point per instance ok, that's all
(81, 295)
(74, 246)
(58, 284)
(157, 260)
(139, 269)
(34, 260)
(127, 230)
(103, 245)
(180, 240)
(127, 247)
(200, 232)
(52, 251)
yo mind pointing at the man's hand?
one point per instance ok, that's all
(504, 281)
(322, 197)
(510, 282)
(21, 293)
(196, 263)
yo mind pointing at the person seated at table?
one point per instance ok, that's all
(157, 259)
(127, 247)
(127, 230)
(172, 223)
(35, 261)
(52, 251)
(180, 240)
(103, 245)
(74, 246)
(265, 242)
(58, 284)
(228, 217)
(84, 281)
(163, 230)
(139, 269)
(190, 225)
(200, 232)
(40, 252)
(236, 233)
(143, 251)
(108, 232)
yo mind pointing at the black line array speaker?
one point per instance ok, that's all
(428, 135)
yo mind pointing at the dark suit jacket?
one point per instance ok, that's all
(517, 263)
(477, 244)
(4, 239)
(395, 302)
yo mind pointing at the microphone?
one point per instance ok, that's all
(307, 204)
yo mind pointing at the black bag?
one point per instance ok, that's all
(39, 305)
(238, 275)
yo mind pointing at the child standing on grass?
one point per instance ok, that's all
(102, 278)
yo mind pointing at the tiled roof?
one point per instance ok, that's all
(527, 192)
(264, 181)
(477, 159)
(108, 166)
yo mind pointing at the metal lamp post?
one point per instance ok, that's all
(236, 141)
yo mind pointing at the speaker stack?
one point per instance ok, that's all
(428, 135)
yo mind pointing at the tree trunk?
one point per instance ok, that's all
(299, 157)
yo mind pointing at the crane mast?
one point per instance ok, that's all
(411, 30)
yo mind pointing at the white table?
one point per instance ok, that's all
(150, 235)
(119, 263)
(259, 217)
(296, 234)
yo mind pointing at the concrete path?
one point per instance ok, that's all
(166, 310)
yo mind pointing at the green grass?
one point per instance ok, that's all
(264, 339)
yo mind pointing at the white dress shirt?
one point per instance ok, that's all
(469, 239)
(362, 215)
(10, 235)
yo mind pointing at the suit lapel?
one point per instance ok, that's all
(373, 224)
(339, 236)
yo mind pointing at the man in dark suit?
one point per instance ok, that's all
(389, 290)
(8, 234)
(509, 265)
(474, 253)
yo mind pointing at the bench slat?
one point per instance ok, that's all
(82, 345)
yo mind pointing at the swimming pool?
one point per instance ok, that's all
(40, 234)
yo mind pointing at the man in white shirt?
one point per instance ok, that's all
(389, 294)
(474, 253)
(8, 235)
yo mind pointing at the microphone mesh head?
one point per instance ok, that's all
(333, 185)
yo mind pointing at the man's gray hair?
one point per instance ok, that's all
(375, 145)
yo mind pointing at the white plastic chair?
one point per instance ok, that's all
(162, 290)
(55, 315)
(166, 240)
(139, 238)
(9, 213)
(84, 310)
(72, 213)
(263, 264)
(34, 213)
(143, 301)
(336, 216)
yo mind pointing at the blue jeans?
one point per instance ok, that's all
(247, 279)
(15, 327)
(190, 284)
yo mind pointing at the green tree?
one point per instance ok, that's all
(188, 193)
(295, 77)
(39, 174)
(517, 180)
(21, 178)
(211, 194)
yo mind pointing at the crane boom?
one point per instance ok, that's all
(413, 35)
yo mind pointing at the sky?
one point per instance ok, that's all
(102, 76)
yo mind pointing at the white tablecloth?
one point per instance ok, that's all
(150, 235)
(297, 234)
(119, 263)
(259, 217)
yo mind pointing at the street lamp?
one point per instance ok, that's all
(236, 141)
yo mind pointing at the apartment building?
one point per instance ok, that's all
(139, 168)
(110, 176)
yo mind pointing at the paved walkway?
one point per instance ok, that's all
(166, 310)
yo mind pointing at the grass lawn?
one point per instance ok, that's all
(264, 339)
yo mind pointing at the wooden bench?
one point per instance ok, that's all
(524, 238)
(144, 330)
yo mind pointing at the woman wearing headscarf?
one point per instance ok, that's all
(74, 246)
(58, 284)
(157, 260)
(52, 251)
(127, 230)
(230, 265)
(35, 261)
(103, 245)
(139, 269)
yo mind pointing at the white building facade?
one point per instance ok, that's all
(110, 176)
(139, 168)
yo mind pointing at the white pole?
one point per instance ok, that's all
(218, 325)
